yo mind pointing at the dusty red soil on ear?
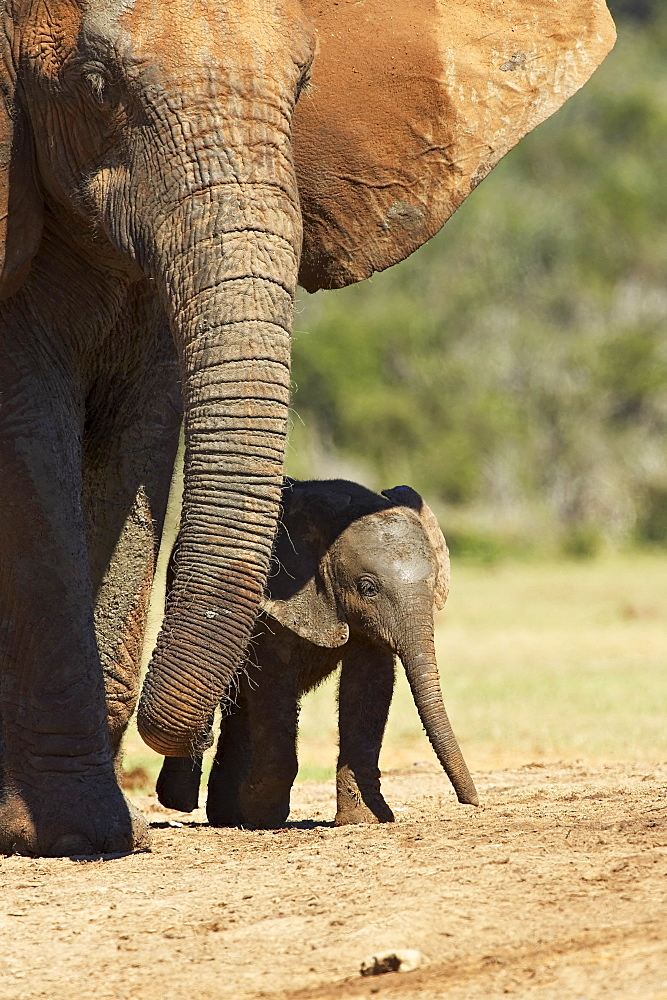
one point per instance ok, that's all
(555, 888)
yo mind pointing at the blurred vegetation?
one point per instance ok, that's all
(636, 10)
(514, 370)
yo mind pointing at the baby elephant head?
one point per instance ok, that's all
(350, 562)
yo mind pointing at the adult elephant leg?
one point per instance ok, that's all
(178, 782)
(364, 697)
(129, 451)
(60, 792)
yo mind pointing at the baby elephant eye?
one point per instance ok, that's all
(367, 586)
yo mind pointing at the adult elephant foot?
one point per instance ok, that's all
(63, 818)
(355, 806)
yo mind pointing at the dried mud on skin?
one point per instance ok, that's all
(555, 888)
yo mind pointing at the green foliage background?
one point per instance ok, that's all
(514, 370)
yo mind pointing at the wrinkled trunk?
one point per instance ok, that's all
(228, 273)
(417, 654)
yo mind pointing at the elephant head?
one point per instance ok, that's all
(353, 561)
(160, 142)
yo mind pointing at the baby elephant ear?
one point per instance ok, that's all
(407, 497)
(20, 199)
(310, 615)
(297, 594)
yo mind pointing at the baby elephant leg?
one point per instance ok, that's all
(230, 767)
(178, 783)
(366, 687)
(256, 765)
(273, 716)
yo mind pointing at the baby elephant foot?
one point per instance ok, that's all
(249, 808)
(359, 805)
(69, 815)
(264, 801)
(178, 783)
(265, 815)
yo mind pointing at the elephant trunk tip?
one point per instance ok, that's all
(165, 741)
(462, 782)
(468, 796)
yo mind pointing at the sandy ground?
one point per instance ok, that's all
(555, 888)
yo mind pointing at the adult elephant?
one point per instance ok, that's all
(151, 240)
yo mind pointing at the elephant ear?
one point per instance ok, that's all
(411, 105)
(298, 593)
(20, 200)
(407, 497)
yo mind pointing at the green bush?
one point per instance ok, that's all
(476, 547)
(582, 542)
(652, 521)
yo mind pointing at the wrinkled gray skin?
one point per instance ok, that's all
(153, 238)
(357, 577)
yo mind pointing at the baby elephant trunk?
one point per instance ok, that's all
(417, 655)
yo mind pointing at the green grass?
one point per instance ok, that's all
(564, 661)
(538, 662)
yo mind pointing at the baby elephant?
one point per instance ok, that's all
(356, 579)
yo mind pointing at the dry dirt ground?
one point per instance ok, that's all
(555, 888)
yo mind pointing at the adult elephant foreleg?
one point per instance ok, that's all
(129, 448)
(60, 794)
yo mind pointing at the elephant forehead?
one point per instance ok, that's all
(102, 15)
(250, 36)
(391, 544)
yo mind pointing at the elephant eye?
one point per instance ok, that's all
(304, 83)
(367, 586)
(98, 84)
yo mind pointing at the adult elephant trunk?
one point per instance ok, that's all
(228, 278)
(417, 654)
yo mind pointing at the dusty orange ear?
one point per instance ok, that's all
(411, 105)
(21, 206)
